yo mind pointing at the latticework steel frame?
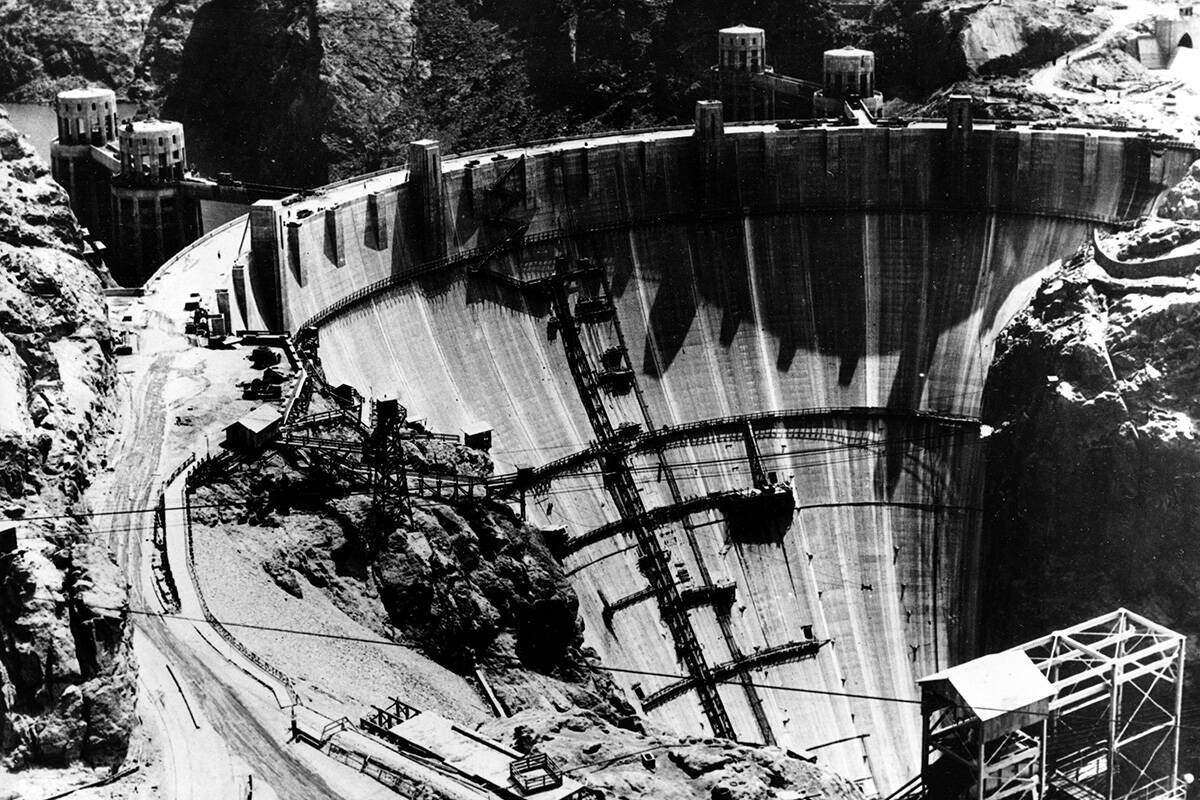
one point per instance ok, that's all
(1112, 731)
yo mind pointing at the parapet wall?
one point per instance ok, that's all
(329, 247)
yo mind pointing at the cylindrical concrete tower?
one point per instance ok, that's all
(849, 72)
(742, 47)
(849, 76)
(152, 151)
(152, 219)
(741, 62)
(87, 118)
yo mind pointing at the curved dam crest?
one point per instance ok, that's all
(753, 274)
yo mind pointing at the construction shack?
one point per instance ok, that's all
(254, 430)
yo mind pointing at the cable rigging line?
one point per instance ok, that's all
(853, 449)
(885, 698)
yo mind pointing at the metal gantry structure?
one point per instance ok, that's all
(367, 451)
(1090, 712)
(585, 320)
(584, 283)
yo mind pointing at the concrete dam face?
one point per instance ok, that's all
(756, 378)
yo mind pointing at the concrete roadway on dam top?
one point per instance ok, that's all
(239, 730)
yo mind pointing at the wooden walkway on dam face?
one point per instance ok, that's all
(809, 423)
(791, 424)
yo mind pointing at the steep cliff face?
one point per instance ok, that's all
(922, 46)
(1094, 468)
(66, 671)
(308, 92)
(161, 52)
(300, 92)
(46, 45)
(348, 87)
(1182, 201)
(252, 92)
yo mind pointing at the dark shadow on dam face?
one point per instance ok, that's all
(719, 258)
(481, 289)
(811, 291)
(439, 283)
(852, 284)
(836, 303)
(620, 272)
(844, 285)
(942, 286)
(921, 287)
(671, 315)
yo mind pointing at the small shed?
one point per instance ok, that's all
(1002, 692)
(254, 430)
(477, 435)
(387, 408)
(344, 393)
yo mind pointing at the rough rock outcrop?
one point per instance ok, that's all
(49, 45)
(1182, 201)
(923, 45)
(631, 765)
(66, 671)
(350, 86)
(467, 583)
(1093, 478)
(351, 83)
(161, 53)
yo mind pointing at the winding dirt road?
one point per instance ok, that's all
(216, 725)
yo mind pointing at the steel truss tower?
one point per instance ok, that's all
(1091, 712)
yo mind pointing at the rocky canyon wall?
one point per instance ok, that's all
(66, 666)
(1094, 468)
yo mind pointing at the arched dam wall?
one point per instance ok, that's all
(821, 302)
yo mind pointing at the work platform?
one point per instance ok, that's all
(403, 746)
(496, 766)
(1090, 712)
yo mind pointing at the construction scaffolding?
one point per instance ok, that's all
(577, 324)
(1091, 712)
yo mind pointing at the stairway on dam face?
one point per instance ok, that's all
(878, 294)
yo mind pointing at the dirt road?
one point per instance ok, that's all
(215, 724)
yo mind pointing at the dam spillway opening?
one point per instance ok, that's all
(747, 363)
